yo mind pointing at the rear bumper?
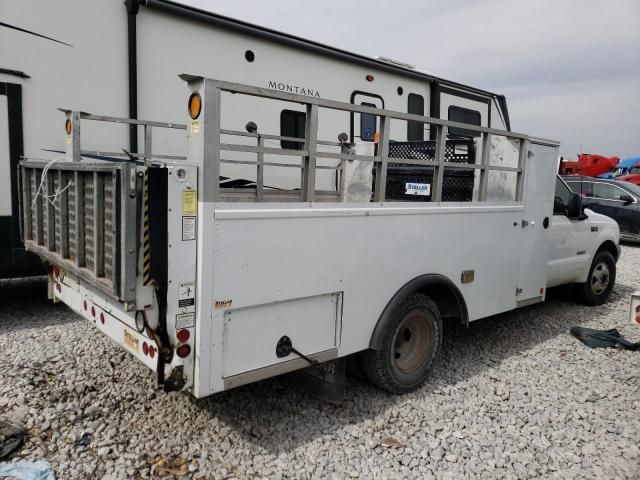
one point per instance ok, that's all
(118, 325)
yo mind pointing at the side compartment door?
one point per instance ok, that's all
(539, 189)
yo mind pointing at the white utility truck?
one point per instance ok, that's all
(215, 286)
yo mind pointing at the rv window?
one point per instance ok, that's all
(463, 115)
(415, 130)
(367, 124)
(292, 124)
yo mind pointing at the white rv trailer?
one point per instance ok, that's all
(124, 60)
(214, 287)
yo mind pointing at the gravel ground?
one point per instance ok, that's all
(514, 396)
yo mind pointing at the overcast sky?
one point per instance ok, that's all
(570, 69)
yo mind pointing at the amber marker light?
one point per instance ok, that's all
(195, 105)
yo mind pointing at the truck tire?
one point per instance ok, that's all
(602, 277)
(411, 340)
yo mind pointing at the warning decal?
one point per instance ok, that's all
(187, 298)
(189, 202)
(188, 228)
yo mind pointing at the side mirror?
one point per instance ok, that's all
(627, 199)
(574, 207)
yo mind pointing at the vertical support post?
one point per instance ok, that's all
(309, 162)
(39, 237)
(382, 160)
(523, 154)
(50, 234)
(78, 185)
(63, 213)
(484, 172)
(129, 231)
(25, 184)
(98, 224)
(211, 142)
(203, 150)
(438, 172)
(147, 144)
(73, 137)
(260, 171)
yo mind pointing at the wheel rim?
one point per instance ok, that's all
(410, 343)
(600, 278)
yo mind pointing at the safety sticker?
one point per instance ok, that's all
(187, 298)
(185, 320)
(188, 228)
(417, 188)
(195, 127)
(189, 202)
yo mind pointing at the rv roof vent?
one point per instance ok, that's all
(395, 62)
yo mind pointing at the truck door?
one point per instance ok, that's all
(363, 125)
(539, 189)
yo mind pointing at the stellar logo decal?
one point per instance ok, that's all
(222, 304)
(285, 87)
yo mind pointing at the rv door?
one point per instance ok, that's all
(364, 126)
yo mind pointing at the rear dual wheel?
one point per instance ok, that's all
(411, 340)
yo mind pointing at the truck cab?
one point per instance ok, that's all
(584, 247)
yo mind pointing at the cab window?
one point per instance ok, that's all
(561, 199)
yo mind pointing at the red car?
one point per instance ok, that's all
(633, 176)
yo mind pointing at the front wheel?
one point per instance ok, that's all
(411, 340)
(602, 277)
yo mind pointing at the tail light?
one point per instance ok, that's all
(183, 351)
(638, 314)
(183, 335)
(145, 348)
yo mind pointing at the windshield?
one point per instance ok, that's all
(635, 170)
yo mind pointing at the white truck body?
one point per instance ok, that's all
(241, 271)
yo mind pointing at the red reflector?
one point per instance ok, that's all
(638, 309)
(152, 351)
(102, 318)
(93, 311)
(183, 335)
(84, 304)
(56, 271)
(145, 348)
(638, 319)
(183, 351)
(58, 287)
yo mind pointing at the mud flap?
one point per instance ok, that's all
(325, 381)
